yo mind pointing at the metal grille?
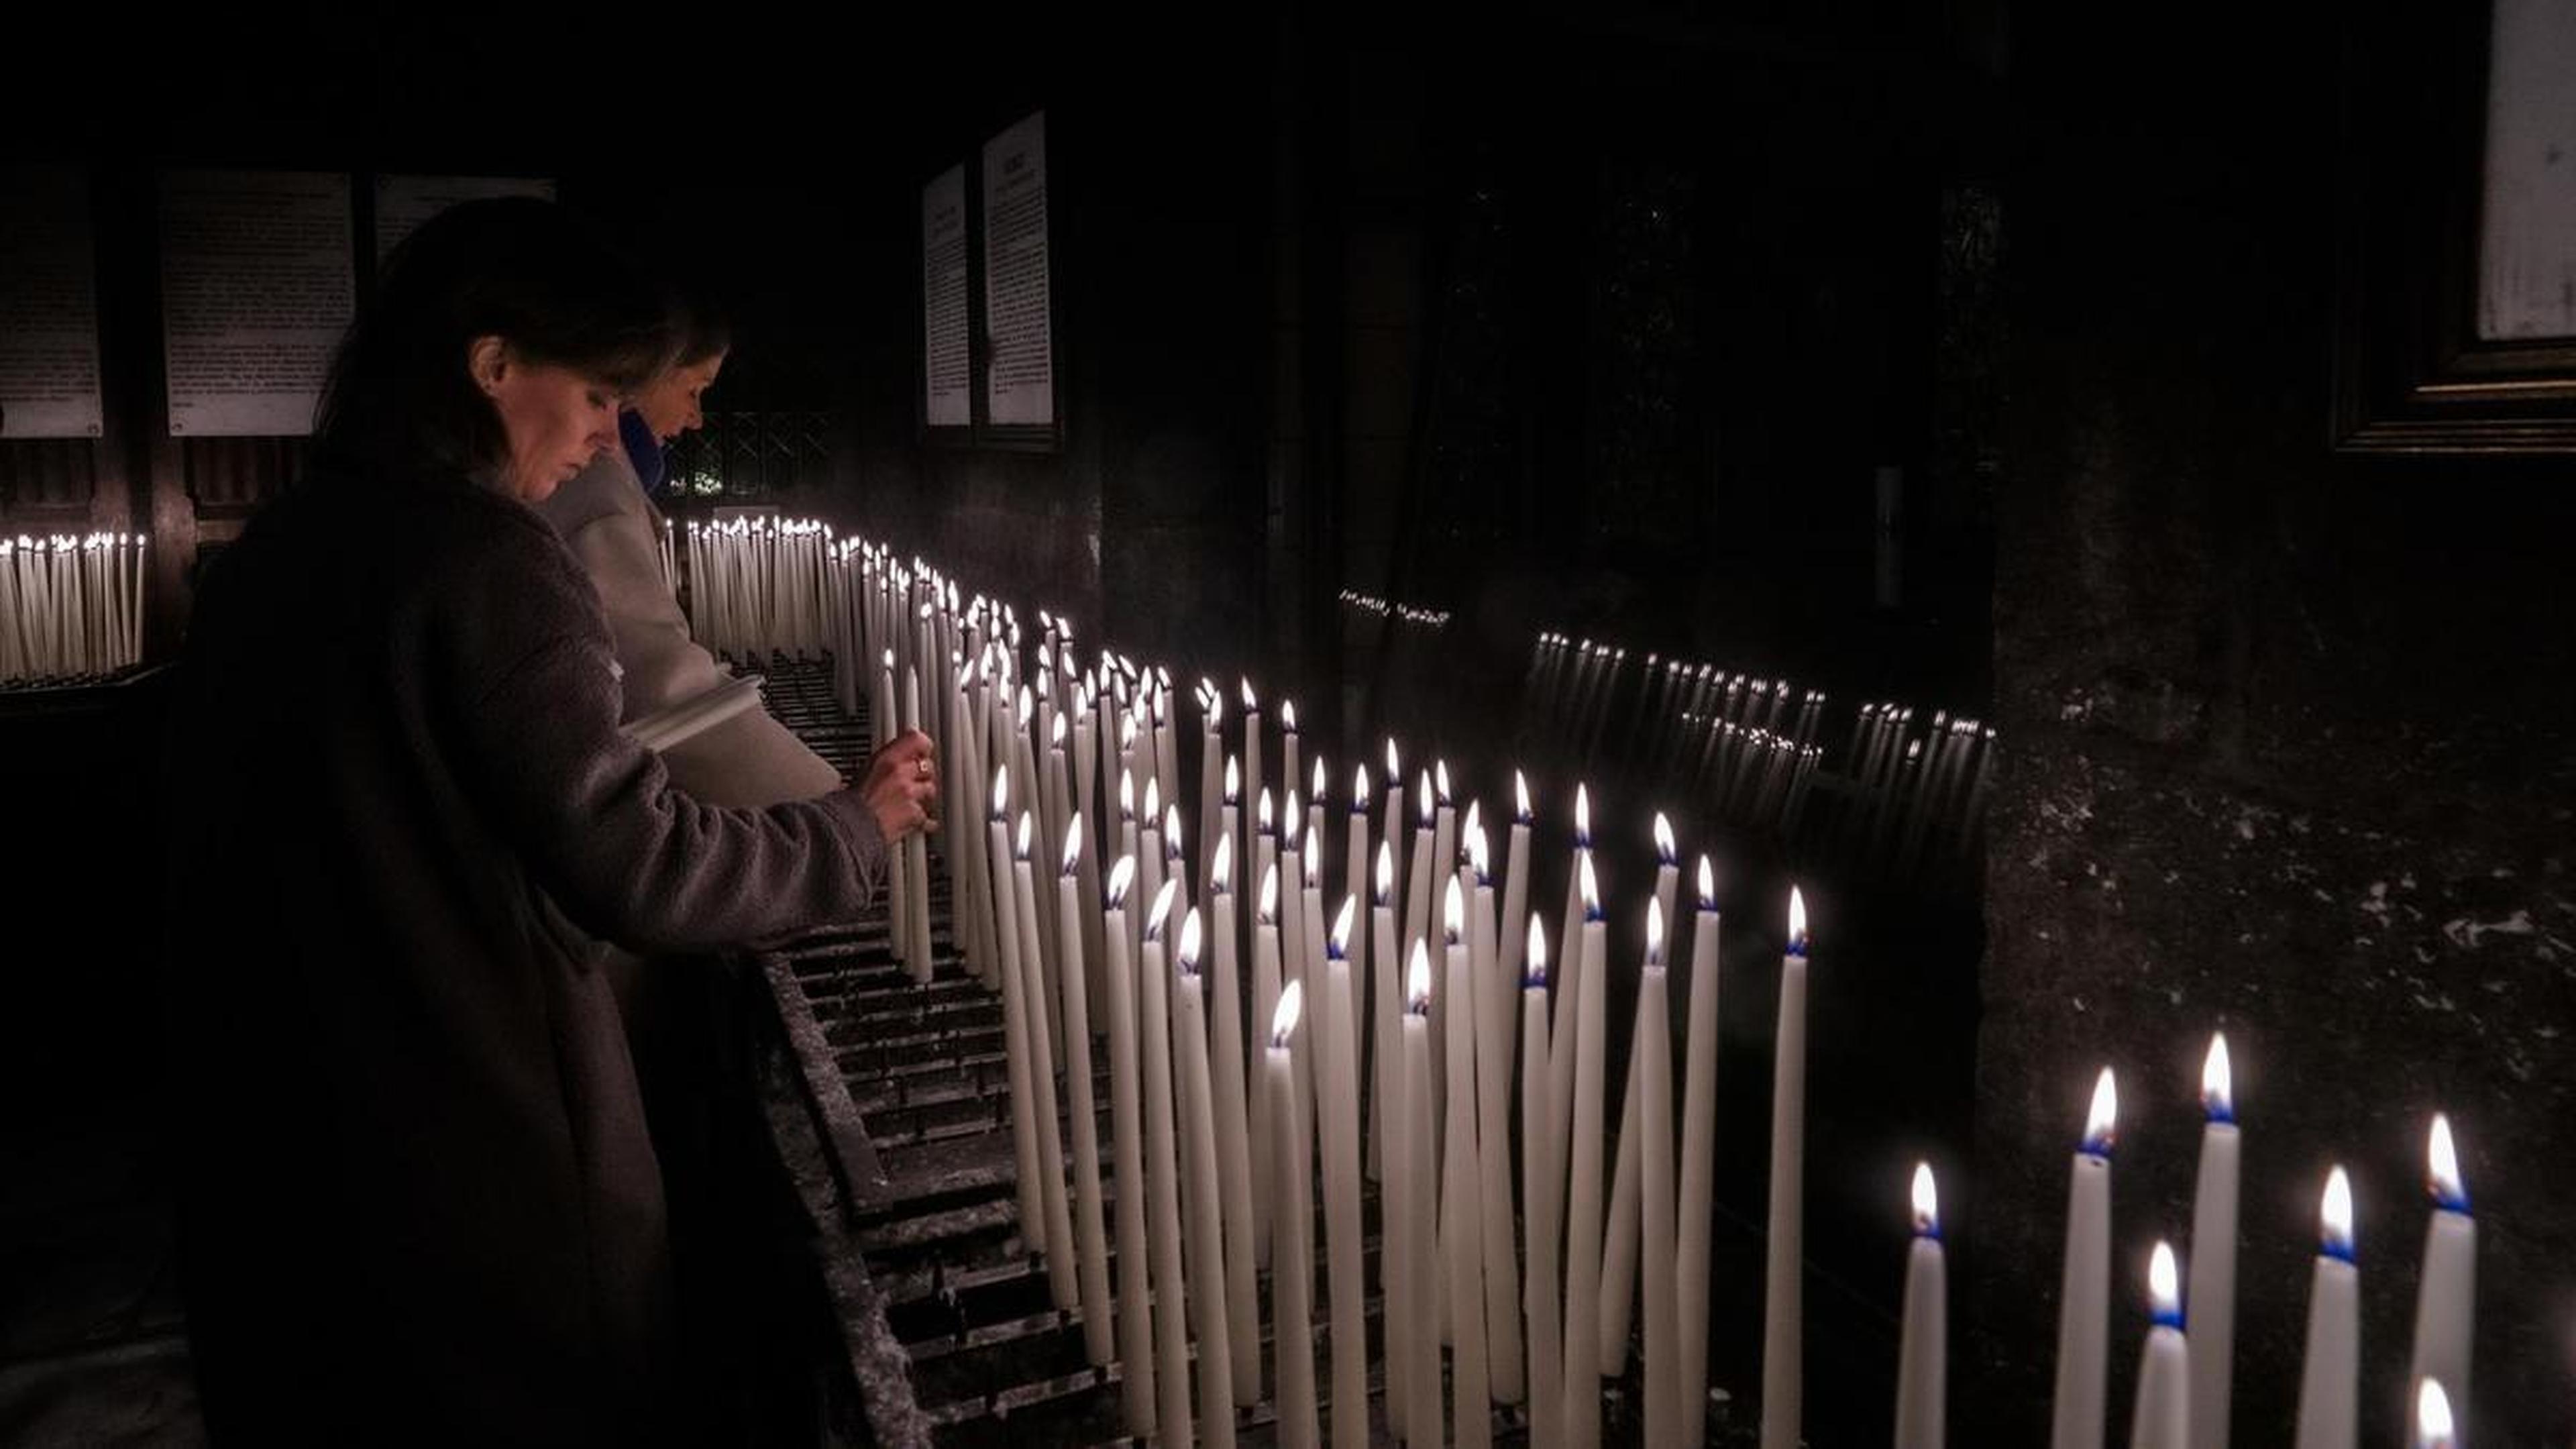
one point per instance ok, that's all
(750, 455)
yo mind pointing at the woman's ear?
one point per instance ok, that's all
(487, 361)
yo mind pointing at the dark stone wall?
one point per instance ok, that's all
(2289, 751)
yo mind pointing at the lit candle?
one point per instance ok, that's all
(1062, 1282)
(1699, 1166)
(2161, 1418)
(2433, 1424)
(1233, 1133)
(1387, 1116)
(1315, 823)
(1288, 762)
(1462, 1225)
(2446, 1298)
(1162, 1178)
(1253, 779)
(1176, 866)
(1127, 1160)
(1619, 1259)
(1417, 1193)
(2329, 1381)
(916, 856)
(2083, 1313)
(1417, 890)
(1393, 826)
(1211, 767)
(1783, 1372)
(1265, 1000)
(1493, 1003)
(1543, 1202)
(1923, 1358)
(1569, 982)
(1337, 1118)
(1583, 1188)
(1355, 880)
(1292, 1317)
(1655, 1084)
(1016, 1037)
(1208, 1308)
(1090, 1236)
(2213, 1254)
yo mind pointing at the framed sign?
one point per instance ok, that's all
(2456, 265)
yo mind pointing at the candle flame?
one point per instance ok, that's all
(1315, 790)
(1534, 958)
(1028, 707)
(1055, 733)
(1591, 885)
(1314, 862)
(1440, 779)
(1156, 918)
(1654, 932)
(2442, 1161)
(1172, 830)
(1289, 820)
(1073, 843)
(1162, 702)
(1283, 1021)
(2217, 1082)
(2102, 1119)
(1385, 871)
(1582, 815)
(1215, 702)
(1251, 704)
(1269, 893)
(1707, 886)
(1521, 796)
(1453, 913)
(1927, 1203)
(2433, 1427)
(1153, 800)
(1423, 803)
(1394, 771)
(1359, 789)
(1479, 859)
(1023, 852)
(1127, 729)
(1417, 980)
(1001, 791)
(1288, 716)
(1474, 821)
(1340, 943)
(1665, 851)
(889, 659)
(1233, 781)
(1189, 948)
(2334, 1216)
(2164, 1286)
(1121, 875)
(1261, 812)
(1126, 794)
(1797, 922)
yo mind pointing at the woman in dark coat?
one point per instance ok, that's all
(418, 1203)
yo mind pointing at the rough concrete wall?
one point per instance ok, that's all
(2289, 755)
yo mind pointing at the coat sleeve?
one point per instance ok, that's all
(627, 857)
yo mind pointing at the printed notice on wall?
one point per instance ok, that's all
(404, 202)
(257, 284)
(2527, 244)
(1019, 383)
(48, 306)
(946, 369)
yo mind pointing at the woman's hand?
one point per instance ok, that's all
(902, 787)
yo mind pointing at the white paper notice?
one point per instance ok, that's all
(945, 369)
(48, 306)
(257, 284)
(1019, 384)
(2527, 262)
(404, 202)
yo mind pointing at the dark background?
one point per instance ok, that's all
(1598, 321)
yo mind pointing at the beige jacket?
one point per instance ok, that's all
(614, 529)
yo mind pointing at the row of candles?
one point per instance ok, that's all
(1423, 615)
(757, 585)
(71, 607)
(1214, 1156)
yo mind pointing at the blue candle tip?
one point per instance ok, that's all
(2338, 1249)
(2222, 1114)
(1797, 947)
(2169, 1318)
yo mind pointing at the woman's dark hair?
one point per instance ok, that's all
(400, 400)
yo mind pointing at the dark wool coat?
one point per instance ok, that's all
(418, 1204)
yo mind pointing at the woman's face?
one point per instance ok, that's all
(556, 419)
(669, 403)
